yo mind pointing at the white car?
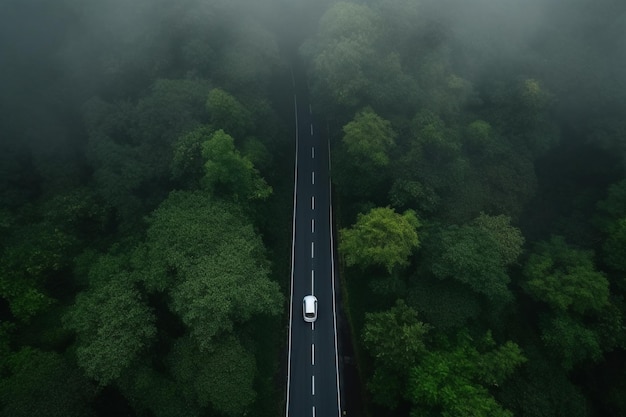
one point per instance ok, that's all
(309, 308)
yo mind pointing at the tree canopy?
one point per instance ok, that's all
(108, 342)
(381, 237)
(565, 277)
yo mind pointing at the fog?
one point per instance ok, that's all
(497, 126)
(68, 50)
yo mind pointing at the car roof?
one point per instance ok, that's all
(309, 300)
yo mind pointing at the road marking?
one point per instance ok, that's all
(310, 109)
(293, 245)
(312, 152)
(312, 282)
(313, 411)
(332, 275)
(311, 129)
(312, 202)
(312, 384)
(312, 225)
(312, 250)
(313, 177)
(313, 354)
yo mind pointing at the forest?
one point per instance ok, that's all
(146, 176)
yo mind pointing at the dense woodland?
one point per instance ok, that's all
(146, 156)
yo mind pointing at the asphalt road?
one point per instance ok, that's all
(313, 373)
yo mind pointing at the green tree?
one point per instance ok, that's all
(570, 341)
(222, 376)
(396, 340)
(509, 239)
(187, 162)
(130, 145)
(171, 108)
(614, 245)
(112, 322)
(228, 286)
(565, 277)
(361, 167)
(395, 337)
(433, 139)
(39, 383)
(28, 264)
(342, 53)
(610, 219)
(153, 391)
(541, 388)
(455, 381)
(443, 303)
(380, 237)
(478, 254)
(205, 254)
(479, 135)
(368, 139)
(226, 113)
(442, 91)
(521, 111)
(228, 173)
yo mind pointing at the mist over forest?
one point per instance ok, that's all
(146, 179)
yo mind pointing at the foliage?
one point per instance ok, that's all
(508, 238)
(226, 113)
(368, 139)
(224, 380)
(380, 237)
(343, 52)
(129, 144)
(453, 306)
(565, 277)
(541, 388)
(610, 219)
(187, 161)
(149, 390)
(456, 380)
(43, 384)
(570, 341)
(395, 337)
(228, 286)
(206, 255)
(396, 340)
(39, 251)
(113, 325)
(479, 135)
(228, 173)
(477, 254)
